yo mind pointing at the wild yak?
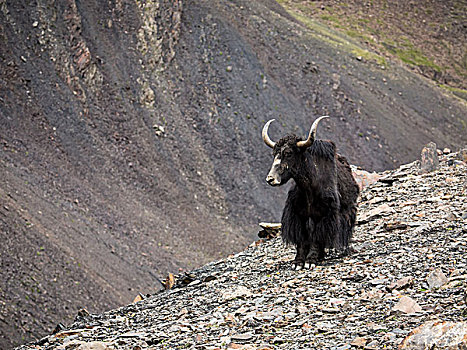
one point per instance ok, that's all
(321, 206)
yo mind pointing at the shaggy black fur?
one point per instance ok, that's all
(321, 207)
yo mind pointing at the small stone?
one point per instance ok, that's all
(436, 279)
(407, 305)
(139, 297)
(391, 226)
(239, 292)
(377, 282)
(330, 310)
(381, 210)
(83, 313)
(169, 281)
(324, 326)
(377, 200)
(242, 338)
(342, 347)
(159, 129)
(400, 284)
(229, 68)
(270, 225)
(95, 345)
(209, 278)
(35, 24)
(278, 340)
(59, 328)
(374, 345)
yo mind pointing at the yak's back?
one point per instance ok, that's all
(347, 186)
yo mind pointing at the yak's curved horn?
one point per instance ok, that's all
(311, 136)
(266, 138)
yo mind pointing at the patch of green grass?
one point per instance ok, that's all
(453, 89)
(415, 57)
(319, 30)
(370, 56)
(359, 35)
(352, 33)
(329, 36)
(461, 93)
(330, 18)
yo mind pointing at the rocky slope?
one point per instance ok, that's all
(130, 138)
(408, 268)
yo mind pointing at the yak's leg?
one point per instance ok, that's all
(349, 250)
(294, 228)
(302, 250)
(315, 254)
(321, 252)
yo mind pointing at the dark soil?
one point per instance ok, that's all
(130, 139)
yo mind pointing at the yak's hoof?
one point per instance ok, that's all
(299, 265)
(349, 251)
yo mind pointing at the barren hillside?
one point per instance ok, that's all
(130, 138)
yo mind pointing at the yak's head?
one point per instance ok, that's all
(288, 154)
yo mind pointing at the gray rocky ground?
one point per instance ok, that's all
(408, 269)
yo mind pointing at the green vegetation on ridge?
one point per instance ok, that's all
(425, 35)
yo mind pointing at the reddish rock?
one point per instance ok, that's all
(436, 279)
(462, 155)
(437, 335)
(359, 342)
(429, 158)
(407, 305)
(400, 284)
(95, 345)
(364, 178)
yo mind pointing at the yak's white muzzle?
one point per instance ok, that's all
(274, 178)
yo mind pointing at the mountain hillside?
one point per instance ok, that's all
(407, 270)
(130, 138)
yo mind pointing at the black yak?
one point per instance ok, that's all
(321, 206)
